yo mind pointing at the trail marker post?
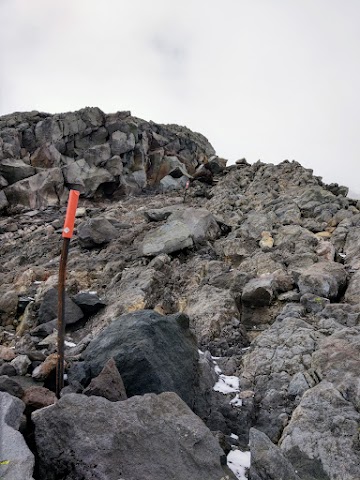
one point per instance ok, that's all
(66, 234)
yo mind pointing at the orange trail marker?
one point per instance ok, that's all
(67, 234)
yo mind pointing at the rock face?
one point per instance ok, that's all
(90, 437)
(16, 459)
(256, 265)
(92, 152)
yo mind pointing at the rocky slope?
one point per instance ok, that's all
(242, 301)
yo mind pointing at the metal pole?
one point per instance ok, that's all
(61, 317)
(66, 234)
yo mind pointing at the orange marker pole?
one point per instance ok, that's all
(66, 234)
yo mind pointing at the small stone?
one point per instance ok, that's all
(7, 353)
(38, 397)
(21, 364)
(8, 369)
(266, 240)
(108, 384)
(10, 386)
(44, 369)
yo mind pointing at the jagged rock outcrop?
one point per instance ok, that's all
(87, 150)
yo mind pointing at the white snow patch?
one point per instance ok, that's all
(69, 344)
(236, 401)
(227, 384)
(342, 255)
(238, 462)
(233, 435)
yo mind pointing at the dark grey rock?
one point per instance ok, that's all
(15, 170)
(153, 353)
(258, 292)
(107, 384)
(11, 386)
(267, 460)
(49, 308)
(89, 303)
(123, 438)
(96, 232)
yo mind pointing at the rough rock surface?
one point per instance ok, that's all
(17, 461)
(153, 353)
(142, 438)
(263, 259)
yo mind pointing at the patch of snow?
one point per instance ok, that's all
(342, 255)
(69, 344)
(236, 401)
(233, 435)
(217, 369)
(238, 462)
(38, 282)
(227, 384)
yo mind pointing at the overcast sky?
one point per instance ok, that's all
(262, 79)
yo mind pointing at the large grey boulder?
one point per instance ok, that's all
(13, 447)
(153, 353)
(3, 200)
(14, 170)
(169, 238)
(121, 142)
(267, 460)
(142, 438)
(38, 191)
(183, 229)
(322, 438)
(86, 179)
(325, 279)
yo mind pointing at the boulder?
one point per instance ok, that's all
(321, 439)
(49, 308)
(96, 232)
(258, 292)
(98, 155)
(121, 142)
(169, 238)
(39, 191)
(268, 462)
(86, 179)
(46, 156)
(184, 228)
(14, 170)
(324, 279)
(17, 461)
(153, 353)
(142, 438)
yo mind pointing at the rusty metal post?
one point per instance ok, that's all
(66, 234)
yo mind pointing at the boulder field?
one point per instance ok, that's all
(212, 311)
